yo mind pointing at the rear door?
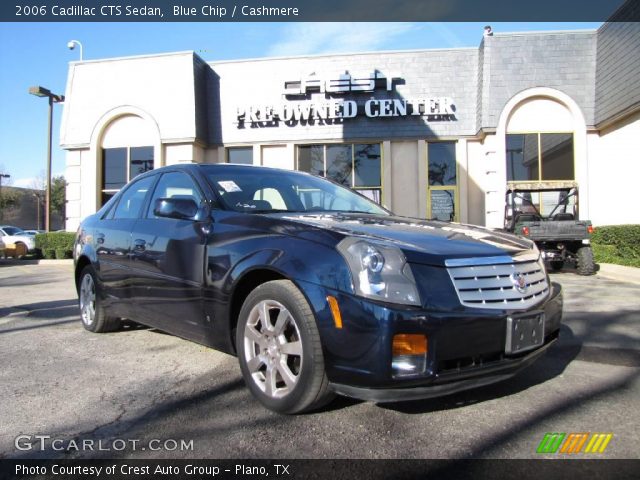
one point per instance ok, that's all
(168, 262)
(112, 242)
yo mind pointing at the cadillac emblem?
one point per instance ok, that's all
(519, 282)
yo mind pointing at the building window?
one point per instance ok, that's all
(534, 157)
(241, 155)
(442, 191)
(121, 165)
(357, 166)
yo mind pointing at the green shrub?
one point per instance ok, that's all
(55, 244)
(619, 244)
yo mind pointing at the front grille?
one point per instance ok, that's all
(494, 286)
(468, 363)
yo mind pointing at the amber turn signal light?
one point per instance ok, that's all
(335, 311)
(409, 344)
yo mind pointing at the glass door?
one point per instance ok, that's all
(442, 190)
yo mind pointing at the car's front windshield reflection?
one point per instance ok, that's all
(243, 190)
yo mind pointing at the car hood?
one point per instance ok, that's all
(427, 242)
(28, 239)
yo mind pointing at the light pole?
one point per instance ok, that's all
(37, 197)
(39, 91)
(72, 44)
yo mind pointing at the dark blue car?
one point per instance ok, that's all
(316, 289)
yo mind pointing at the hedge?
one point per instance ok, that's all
(619, 244)
(55, 244)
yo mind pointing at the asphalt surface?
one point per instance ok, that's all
(139, 385)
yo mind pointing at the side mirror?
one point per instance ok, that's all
(178, 208)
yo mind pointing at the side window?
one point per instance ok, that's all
(174, 184)
(132, 199)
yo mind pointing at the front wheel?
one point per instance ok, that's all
(585, 265)
(92, 313)
(279, 349)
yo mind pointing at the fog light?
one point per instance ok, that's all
(409, 354)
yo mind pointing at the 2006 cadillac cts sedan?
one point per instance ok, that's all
(315, 288)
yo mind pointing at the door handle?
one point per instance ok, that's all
(139, 245)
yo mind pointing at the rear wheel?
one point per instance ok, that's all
(92, 313)
(21, 250)
(585, 264)
(556, 265)
(279, 349)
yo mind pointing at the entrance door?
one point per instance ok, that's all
(442, 190)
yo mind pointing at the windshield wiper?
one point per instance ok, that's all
(272, 210)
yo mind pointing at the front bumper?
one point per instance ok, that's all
(445, 386)
(466, 347)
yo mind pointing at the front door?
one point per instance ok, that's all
(168, 263)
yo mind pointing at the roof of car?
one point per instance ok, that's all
(220, 166)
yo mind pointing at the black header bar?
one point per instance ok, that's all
(315, 10)
(556, 469)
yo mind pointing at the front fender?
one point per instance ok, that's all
(297, 259)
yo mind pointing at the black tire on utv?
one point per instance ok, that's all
(556, 265)
(585, 264)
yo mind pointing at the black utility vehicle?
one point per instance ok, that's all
(314, 287)
(548, 215)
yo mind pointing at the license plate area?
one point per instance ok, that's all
(524, 333)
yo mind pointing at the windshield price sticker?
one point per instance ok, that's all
(229, 186)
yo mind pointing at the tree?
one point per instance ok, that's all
(58, 195)
(8, 199)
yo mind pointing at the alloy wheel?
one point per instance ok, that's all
(273, 348)
(88, 300)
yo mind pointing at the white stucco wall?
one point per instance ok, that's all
(614, 173)
(162, 86)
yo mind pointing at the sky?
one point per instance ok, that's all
(37, 54)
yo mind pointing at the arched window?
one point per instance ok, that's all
(126, 151)
(539, 142)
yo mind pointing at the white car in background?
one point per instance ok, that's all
(14, 235)
(2, 248)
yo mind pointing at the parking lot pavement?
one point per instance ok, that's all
(142, 385)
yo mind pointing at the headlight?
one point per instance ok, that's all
(379, 271)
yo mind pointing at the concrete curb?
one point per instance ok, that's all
(620, 273)
(42, 261)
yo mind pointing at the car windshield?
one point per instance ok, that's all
(251, 190)
(548, 204)
(12, 231)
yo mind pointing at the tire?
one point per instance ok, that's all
(584, 263)
(281, 358)
(92, 313)
(556, 265)
(21, 250)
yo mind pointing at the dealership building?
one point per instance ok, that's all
(429, 133)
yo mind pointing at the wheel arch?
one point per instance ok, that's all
(81, 263)
(248, 282)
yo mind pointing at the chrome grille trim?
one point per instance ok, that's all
(492, 287)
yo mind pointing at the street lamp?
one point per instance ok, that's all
(72, 44)
(37, 197)
(39, 91)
